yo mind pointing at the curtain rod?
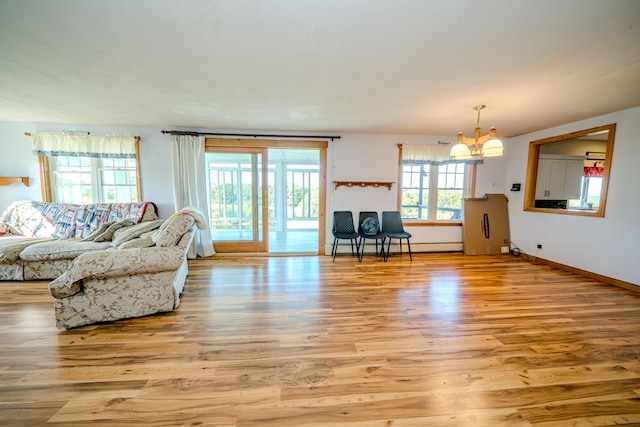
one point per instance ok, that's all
(253, 135)
(137, 138)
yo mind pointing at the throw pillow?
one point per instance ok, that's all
(172, 230)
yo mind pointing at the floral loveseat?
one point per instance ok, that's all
(40, 240)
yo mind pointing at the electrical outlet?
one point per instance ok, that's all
(539, 245)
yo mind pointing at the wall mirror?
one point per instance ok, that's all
(569, 174)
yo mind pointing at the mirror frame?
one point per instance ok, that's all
(532, 171)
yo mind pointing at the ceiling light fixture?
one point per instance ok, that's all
(479, 146)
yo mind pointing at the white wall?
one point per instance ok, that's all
(357, 157)
(17, 160)
(606, 246)
(374, 157)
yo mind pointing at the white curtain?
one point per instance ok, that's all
(432, 154)
(190, 186)
(85, 145)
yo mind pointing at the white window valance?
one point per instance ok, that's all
(430, 154)
(85, 145)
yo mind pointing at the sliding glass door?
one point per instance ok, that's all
(238, 199)
(266, 195)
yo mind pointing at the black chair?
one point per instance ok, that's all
(369, 228)
(343, 229)
(393, 229)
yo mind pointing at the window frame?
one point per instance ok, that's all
(46, 171)
(470, 178)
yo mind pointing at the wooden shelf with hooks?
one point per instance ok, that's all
(363, 184)
(6, 180)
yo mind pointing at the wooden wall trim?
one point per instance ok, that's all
(605, 279)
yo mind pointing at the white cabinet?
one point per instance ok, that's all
(559, 177)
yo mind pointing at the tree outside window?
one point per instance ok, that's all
(434, 192)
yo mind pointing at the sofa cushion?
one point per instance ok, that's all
(12, 246)
(127, 233)
(173, 228)
(60, 249)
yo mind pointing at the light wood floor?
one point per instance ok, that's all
(445, 340)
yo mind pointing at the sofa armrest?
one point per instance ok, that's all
(111, 263)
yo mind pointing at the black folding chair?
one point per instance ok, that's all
(393, 229)
(343, 229)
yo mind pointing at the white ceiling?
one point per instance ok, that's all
(373, 66)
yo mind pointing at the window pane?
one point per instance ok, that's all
(451, 179)
(71, 179)
(75, 178)
(415, 192)
(231, 190)
(418, 197)
(108, 178)
(118, 180)
(449, 204)
(303, 188)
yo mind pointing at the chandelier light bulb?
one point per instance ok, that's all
(479, 146)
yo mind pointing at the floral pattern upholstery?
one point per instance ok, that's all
(40, 270)
(108, 299)
(12, 271)
(120, 269)
(113, 284)
(64, 220)
(60, 249)
(13, 245)
(44, 237)
(122, 262)
(173, 229)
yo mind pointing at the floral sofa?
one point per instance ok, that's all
(135, 281)
(107, 262)
(40, 240)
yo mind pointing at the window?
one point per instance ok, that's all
(303, 187)
(231, 185)
(80, 168)
(434, 192)
(82, 180)
(432, 184)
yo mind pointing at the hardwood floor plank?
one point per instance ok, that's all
(294, 413)
(600, 412)
(543, 395)
(445, 340)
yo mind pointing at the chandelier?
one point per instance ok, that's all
(479, 146)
